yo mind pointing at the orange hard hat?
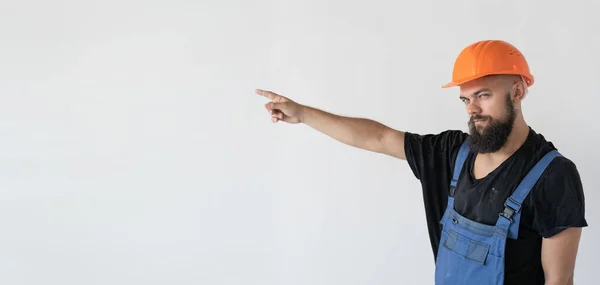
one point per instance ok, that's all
(487, 58)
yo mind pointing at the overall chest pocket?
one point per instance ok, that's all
(470, 249)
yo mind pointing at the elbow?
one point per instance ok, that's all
(378, 144)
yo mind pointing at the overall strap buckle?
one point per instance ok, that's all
(509, 211)
(452, 190)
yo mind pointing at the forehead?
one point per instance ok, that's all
(489, 83)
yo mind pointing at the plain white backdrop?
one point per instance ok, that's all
(133, 149)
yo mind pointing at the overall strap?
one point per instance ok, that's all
(512, 207)
(463, 152)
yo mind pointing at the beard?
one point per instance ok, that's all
(492, 137)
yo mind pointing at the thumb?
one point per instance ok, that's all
(282, 106)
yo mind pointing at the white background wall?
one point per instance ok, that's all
(134, 151)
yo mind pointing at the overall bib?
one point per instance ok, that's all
(471, 252)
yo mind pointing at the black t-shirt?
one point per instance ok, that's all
(555, 202)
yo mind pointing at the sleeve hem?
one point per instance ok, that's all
(409, 155)
(554, 231)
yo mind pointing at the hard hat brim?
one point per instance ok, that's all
(528, 79)
(463, 81)
(449, 84)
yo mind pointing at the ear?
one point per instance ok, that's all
(519, 91)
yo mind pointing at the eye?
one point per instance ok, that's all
(482, 95)
(464, 100)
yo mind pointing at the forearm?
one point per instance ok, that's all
(559, 281)
(358, 132)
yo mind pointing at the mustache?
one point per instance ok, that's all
(479, 117)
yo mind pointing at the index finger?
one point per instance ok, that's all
(267, 94)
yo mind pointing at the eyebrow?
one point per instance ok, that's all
(477, 92)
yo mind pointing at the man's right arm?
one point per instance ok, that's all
(362, 133)
(358, 132)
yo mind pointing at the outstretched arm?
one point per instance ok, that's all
(358, 132)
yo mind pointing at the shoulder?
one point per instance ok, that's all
(559, 177)
(440, 145)
(432, 152)
(443, 140)
(560, 168)
(558, 198)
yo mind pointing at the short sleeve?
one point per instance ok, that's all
(559, 201)
(432, 153)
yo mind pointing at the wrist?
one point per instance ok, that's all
(303, 113)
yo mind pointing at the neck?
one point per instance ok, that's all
(514, 141)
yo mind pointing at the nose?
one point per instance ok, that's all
(473, 108)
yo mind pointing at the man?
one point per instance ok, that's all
(503, 206)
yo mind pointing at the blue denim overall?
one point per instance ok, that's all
(471, 252)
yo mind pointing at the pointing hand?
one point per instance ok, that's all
(282, 108)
